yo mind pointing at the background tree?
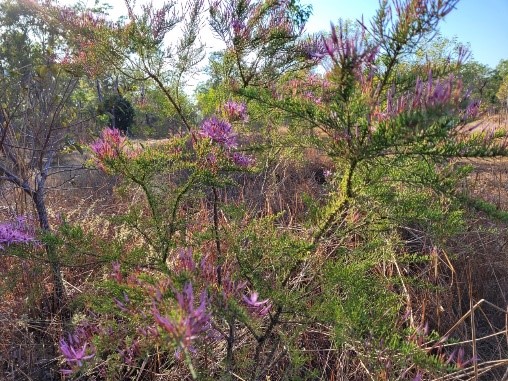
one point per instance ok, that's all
(502, 93)
(119, 112)
(37, 114)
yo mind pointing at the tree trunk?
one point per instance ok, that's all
(42, 215)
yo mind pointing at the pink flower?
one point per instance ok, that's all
(15, 232)
(219, 131)
(235, 111)
(191, 322)
(242, 160)
(259, 307)
(109, 145)
(72, 354)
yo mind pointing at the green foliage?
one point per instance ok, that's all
(486, 207)
(502, 93)
(119, 112)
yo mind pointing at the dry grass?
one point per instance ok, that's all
(488, 181)
(474, 304)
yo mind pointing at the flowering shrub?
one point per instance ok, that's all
(112, 145)
(181, 312)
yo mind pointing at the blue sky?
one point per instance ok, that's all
(481, 23)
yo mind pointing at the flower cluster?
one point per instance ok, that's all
(348, 50)
(190, 321)
(228, 287)
(235, 111)
(15, 232)
(427, 95)
(433, 93)
(219, 131)
(182, 319)
(76, 348)
(111, 145)
(242, 160)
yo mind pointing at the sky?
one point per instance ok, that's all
(481, 23)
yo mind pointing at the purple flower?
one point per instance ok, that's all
(235, 111)
(191, 321)
(259, 307)
(426, 95)
(242, 160)
(15, 232)
(73, 355)
(219, 131)
(185, 261)
(472, 110)
(74, 349)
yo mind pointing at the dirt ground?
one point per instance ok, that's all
(489, 179)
